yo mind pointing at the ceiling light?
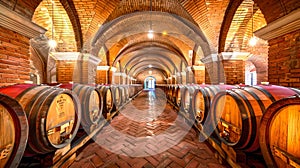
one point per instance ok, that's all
(252, 41)
(52, 43)
(150, 32)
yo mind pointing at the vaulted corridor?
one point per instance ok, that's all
(147, 132)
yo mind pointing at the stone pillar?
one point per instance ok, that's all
(190, 77)
(213, 72)
(76, 67)
(178, 77)
(226, 67)
(183, 77)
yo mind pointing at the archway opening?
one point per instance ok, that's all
(250, 74)
(149, 83)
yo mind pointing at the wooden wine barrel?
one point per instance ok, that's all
(187, 93)
(13, 132)
(173, 92)
(126, 91)
(53, 115)
(170, 92)
(91, 102)
(117, 99)
(201, 101)
(131, 91)
(123, 94)
(176, 94)
(279, 133)
(108, 105)
(167, 91)
(237, 113)
(186, 97)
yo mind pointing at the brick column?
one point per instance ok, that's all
(183, 77)
(76, 67)
(214, 74)
(64, 71)
(178, 77)
(117, 78)
(111, 72)
(199, 74)
(234, 66)
(102, 75)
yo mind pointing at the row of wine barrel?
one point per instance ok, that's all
(39, 119)
(249, 118)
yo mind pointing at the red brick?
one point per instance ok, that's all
(152, 160)
(96, 160)
(193, 163)
(123, 163)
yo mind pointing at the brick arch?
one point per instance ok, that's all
(271, 10)
(161, 72)
(28, 8)
(48, 16)
(154, 63)
(157, 75)
(38, 65)
(143, 68)
(142, 45)
(180, 27)
(73, 16)
(261, 65)
(159, 57)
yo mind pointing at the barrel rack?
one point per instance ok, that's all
(224, 153)
(64, 157)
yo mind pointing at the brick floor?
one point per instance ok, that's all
(147, 133)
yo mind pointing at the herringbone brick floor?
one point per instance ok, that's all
(147, 133)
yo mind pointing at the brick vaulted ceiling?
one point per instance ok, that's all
(204, 26)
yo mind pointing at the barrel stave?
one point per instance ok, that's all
(14, 125)
(279, 133)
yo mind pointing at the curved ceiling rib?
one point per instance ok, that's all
(160, 57)
(152, 44)
(153, 64)
(181, 28)
(229, 13)
(73, 15)
(143, 68)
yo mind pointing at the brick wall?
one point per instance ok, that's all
(229, 72)
(284, 60)
(234, 71)
(65, 71)
(14, 57)
(101, 76)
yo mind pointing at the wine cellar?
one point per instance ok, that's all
(149, 83)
